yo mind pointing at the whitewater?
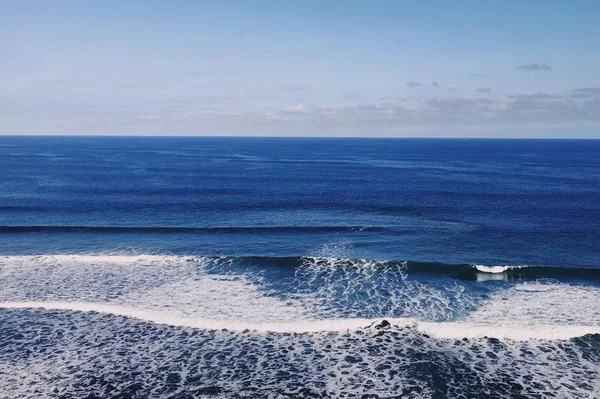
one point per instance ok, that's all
(540, 323)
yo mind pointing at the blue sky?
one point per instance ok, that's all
(310, 68)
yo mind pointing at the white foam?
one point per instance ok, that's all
(530, 304)
(216, 297)
(162, 317)
(92, 258)
(495, 269)
(443, 330)
(338, 287)
(331, 294)
(459, 330)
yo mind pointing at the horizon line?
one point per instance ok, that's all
(300, 137)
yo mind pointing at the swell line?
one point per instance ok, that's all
(186, 229)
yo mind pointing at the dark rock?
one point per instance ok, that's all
(383, 324)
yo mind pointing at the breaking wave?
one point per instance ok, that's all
(460, 271)
(114, 325)
(291, 294)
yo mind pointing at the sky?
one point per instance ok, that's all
(397, 68)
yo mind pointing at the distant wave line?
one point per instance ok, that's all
(192, 229)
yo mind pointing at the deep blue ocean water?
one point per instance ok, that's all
(296, 267)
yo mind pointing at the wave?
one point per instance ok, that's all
(440, 330)
(466, 272)
(471, 271)
(460, 271)
(509, 272)
(316, 294)
(188, 229)
(495, 269)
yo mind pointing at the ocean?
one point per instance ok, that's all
(171, 267)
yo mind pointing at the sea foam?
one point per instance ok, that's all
(442, 330)
(324, 294)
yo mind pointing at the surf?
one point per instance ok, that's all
(307, 294)
(469, 271)
(444, 330)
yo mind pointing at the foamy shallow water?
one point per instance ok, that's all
(79, 353)
(184, 326)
